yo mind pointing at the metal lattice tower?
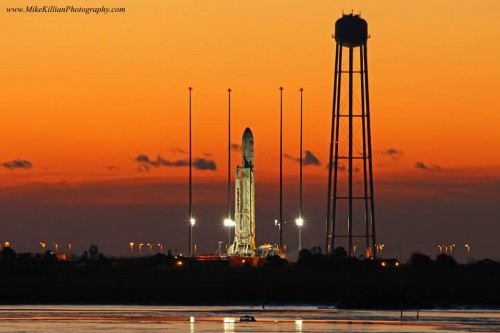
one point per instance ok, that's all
(350, 217)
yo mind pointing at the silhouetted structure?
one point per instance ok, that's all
(350, 208)
(93, 252)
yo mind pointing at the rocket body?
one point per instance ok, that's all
(244, 231)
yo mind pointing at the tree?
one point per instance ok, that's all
(275, 261)
(49, 256)
(339, 253)
(7, 253)
(420, 260)
(304, 256)
(445, 260)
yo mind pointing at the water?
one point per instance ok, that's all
(114, 319)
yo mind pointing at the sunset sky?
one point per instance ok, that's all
(82, 96)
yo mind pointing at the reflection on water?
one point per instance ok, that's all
(298, 325)
(228, 326)
(139, 319)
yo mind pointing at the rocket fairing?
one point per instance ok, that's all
(244, 231)
(247, 148)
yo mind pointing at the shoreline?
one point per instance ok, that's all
(344, 284)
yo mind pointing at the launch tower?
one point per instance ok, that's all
(244, 230)
(350, 217)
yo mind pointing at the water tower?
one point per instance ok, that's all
(350, 220)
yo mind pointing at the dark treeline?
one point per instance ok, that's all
(314, 279)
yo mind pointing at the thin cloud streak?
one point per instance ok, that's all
(393, 152)
(423, 166)
(235, 147)
(17, 164)
(177, 150)
(311, 159)
(308, 159)
(145, 163)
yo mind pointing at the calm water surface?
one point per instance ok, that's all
(114, 319)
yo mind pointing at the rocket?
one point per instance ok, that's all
(247, 148)
(244, 229)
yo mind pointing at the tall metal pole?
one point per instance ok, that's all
(300, 239)
(229, 166)
(300, 173)
(351, 146)
(190, 183)
(281, 170)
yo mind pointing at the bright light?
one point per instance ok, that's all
(192, 221)
(179, 263)
(384, 264)
(396, 264)
(228, 320)
(229, 223)
(191, 319)
(299, 222)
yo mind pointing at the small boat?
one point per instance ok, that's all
(247, 318)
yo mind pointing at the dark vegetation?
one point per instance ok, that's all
(314, 279)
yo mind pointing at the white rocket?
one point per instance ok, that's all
(244, 230)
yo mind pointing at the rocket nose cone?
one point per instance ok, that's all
(248, 133)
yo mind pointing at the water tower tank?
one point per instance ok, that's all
(351, 31)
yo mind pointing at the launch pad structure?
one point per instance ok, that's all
(244, 200)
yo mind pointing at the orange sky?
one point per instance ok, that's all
(80, 93)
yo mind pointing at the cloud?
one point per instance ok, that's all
(145, 163)
(341, 167)
(17, 164)
(235, 147)
(177, 150)
(392, 152)
(204, 164)
(310, 159)
(423, 166)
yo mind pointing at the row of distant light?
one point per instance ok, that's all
(451, 247)
(230, 223)
(140, 245)
(42, 244)
(299, 222)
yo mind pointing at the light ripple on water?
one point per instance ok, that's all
(114, 319)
